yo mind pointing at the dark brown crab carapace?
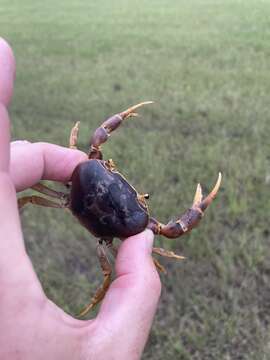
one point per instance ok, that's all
(109, 207)
(105, 203)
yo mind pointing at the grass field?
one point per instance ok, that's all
(206, 65)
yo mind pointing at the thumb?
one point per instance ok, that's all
(130, 304)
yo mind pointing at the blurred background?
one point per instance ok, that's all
(206, 65)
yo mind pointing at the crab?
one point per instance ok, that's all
(104, 202)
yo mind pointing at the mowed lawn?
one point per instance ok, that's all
(206, 65)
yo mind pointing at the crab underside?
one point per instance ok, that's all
(108, 206)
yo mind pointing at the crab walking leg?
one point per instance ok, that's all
(167, 253)
(103, 132)
(43, 189)
(112, 248)
(159, 267)
(38, 200)
(73, 139)
(107, 273)
(189, 219)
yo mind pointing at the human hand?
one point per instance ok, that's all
(31, 326)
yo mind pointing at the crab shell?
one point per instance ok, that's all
(105, 203)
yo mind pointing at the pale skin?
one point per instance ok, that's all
(31, 325)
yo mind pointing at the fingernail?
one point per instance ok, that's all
(149, 239)
(19, 142)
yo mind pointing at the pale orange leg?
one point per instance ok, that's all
(112, 248)
(166, 253)
(159, 267)
(43, 189)
(73, 139)
(107, 272)
(38, 200)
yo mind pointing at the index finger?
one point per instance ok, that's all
(12, 250)
(31, 163)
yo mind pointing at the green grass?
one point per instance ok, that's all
(206, 64)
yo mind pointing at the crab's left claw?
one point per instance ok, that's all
(184, 223)
(132, 110)
(190, 218)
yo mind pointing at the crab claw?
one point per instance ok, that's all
(207, 201)
(198, 196)
(190, 218)
(132, 110)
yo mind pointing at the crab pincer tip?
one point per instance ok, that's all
(217, 186)
(209, 198)
(214, 192)
(198, 195)
(135, 107)
(130, 112)
(180, 257)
